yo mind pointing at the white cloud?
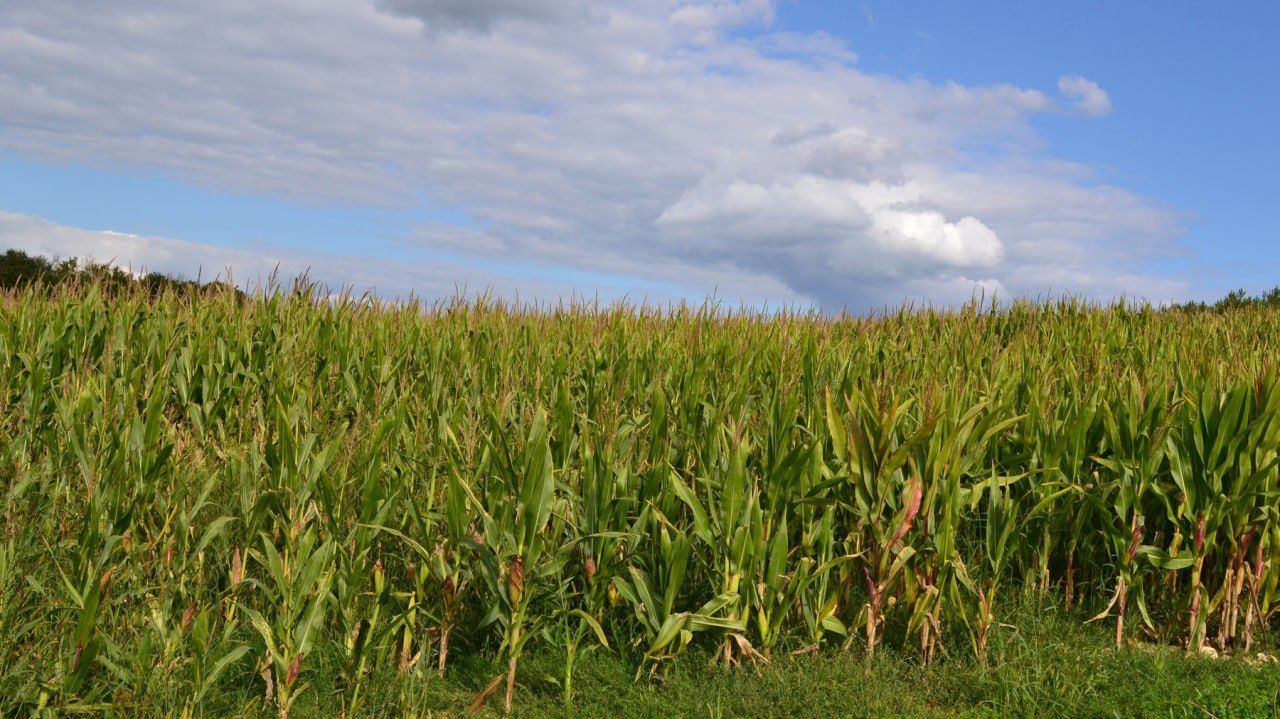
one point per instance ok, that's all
(639, 139)
(964, 243)
(1084, 95)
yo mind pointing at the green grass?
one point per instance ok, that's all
(1051, 667)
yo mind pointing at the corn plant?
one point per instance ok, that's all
(517, 559)
(1135, 425)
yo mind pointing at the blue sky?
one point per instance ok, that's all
(838, 154)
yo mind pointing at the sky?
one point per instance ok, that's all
(851, 155)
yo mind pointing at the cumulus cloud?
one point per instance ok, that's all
(1085, 96)
(963, 243)
(640, 140)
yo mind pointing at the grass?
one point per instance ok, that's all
(1053, 666)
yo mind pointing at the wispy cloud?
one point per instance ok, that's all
(432, 277)
(1086, 96)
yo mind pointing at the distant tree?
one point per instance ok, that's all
(1235, 300)
(19, 269)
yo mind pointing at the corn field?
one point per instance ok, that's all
(208, 490)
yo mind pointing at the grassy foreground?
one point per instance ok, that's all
(296, 505)
(1052, 667)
